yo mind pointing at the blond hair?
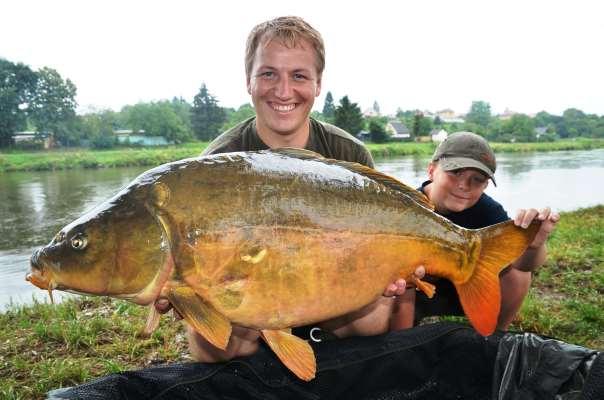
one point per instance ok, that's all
(289, 31)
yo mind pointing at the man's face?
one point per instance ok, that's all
(457, 190)
(283, 83)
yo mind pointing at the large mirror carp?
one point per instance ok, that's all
(272, 240)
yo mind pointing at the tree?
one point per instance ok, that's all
(421, 125)
(158, 119)
(53, 105)
(520, 127)
(480, 113)
(206, 116)
(98, 127)
(401, 114)
(17, 85)
(377, 131)
(575, 123)
(348, 116)
(328, 107)
(233, 117)
(182, 108)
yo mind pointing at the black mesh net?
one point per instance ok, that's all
(435, 361)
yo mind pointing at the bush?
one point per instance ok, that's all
(29, 145)
(103, 142)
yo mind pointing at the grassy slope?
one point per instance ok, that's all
(47, 346)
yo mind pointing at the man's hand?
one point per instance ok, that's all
(162, 305)
(398, 287)
(243, 341)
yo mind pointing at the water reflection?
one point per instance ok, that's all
(34, 206)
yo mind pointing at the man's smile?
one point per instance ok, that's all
(282, 107)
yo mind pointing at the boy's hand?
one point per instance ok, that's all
(524, 217)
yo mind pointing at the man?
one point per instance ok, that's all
(284, 63)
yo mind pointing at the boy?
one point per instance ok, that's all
(458, 176)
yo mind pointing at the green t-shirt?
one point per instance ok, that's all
(325, 139)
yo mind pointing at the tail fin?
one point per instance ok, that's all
(480, 295)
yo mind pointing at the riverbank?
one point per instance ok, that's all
(47, 346)
(129, 157)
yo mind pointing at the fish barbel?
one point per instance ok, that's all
(272, 240)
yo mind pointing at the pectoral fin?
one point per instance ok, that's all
(295, 353)
(152, 322)
(208, 322)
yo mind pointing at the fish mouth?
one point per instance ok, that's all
(38, 276)
(37, 279)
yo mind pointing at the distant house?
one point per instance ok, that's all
(428, 114)
(128, 136)
(32, 137)
(398, 131)
(423, 139)
(446, 113)
(449, 116)
(540, 131)
(507, 114)
(438, 135)
(370, 112)
(364, 135)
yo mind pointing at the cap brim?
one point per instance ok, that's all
(452, 163)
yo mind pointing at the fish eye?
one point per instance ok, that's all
(79, 242)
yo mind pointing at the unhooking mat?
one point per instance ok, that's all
(436, 361)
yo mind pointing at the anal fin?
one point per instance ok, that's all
(294, 352)
(202, 316)
(425, 287)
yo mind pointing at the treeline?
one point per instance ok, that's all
(44, 102)
(516, 127)
(519, 127)
(40, 99)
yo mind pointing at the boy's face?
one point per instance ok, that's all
(283, 83)
(457, 190)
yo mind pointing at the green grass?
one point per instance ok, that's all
(86, 158)
(49, 346)
(128, 157)
(567, 297)
(426, 149)
(44, 347)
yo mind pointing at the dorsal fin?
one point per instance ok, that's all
(386, 180)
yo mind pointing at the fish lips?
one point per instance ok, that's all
(37, 276)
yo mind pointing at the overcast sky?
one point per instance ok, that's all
(528, 55)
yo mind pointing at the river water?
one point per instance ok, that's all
(36, 205)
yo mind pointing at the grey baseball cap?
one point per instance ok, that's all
(466, 150)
